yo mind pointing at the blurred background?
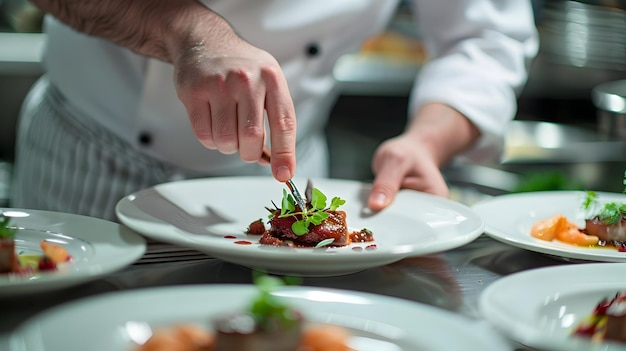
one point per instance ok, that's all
(569, 132)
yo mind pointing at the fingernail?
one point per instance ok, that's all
(379, 198)
(283, 173)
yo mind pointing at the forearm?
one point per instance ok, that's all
(443, 130)
(158, 29)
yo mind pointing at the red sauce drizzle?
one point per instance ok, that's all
(243, 242)
(230, 237)
(357, 248)
(371, 247)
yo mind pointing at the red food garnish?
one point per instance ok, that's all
(46, 264)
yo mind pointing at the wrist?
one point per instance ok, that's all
(189, 31)
(442, 130)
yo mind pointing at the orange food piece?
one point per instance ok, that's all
(558, 227)
(572, 235)
(325, 337)
(185, 337)
(56, 253)
(546, 229)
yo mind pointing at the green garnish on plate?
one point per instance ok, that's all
(611, 212)
(267, 309)
(5, 231)
(314, 215)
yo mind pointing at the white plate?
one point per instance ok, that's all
(376, 322)
(509, 218)
(540, 308)
(97, 247)
(200, 213)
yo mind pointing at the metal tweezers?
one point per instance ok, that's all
(292, 187)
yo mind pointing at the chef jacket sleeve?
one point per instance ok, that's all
(479, 55)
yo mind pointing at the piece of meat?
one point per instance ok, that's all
(335, 227)
(606, 232)
(8, 257)
(240, 332)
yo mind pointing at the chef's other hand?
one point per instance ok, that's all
(403, 163)
(413, 160)
(227, 85)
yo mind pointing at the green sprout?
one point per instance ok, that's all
(611, 212)
(267, 308)
(5, 231)
(314, 215)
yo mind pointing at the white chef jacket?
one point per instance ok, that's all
(480, 51)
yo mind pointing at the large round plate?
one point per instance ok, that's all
(541, 307)
(97, 247)
(509, 218)
(118, 321)
(200, 213)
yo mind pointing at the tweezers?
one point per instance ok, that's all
(292, 187)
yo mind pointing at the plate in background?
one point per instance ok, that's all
(97, 248)
(509, 219)
(540, 308)
(119, 321)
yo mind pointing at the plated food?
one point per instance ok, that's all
(604, 227)
(607, 321)
(512, 218)
(14, 263)
(50, 250)
(371, 322)
(543, 308)
(267, 324)
(318, 225)
(211, 215)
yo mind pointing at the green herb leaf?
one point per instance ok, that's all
(288, 204)
(300, 227)
(324, 242)
(591, 199)
(318, 199)
(318, 217)
(5, 231)
(336, 202)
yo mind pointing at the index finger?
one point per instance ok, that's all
(387, 183)
(281, 117)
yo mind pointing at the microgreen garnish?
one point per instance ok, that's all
(267, 308)
(5, 231)
(611, 212)
(591, 199)
(324, 242)
(316, 214)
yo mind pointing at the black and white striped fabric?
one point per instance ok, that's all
(68, 165)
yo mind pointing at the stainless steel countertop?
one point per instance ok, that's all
(452, 280)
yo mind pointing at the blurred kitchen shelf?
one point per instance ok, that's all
(375, 75)
(21, 53)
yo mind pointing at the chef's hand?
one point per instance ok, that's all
(226, 85)
(413, 159)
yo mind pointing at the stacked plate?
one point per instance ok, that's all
(584, 34)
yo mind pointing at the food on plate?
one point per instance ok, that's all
(607, 322)
(319, 224)
(11, 262)
(267, 325)
(558, 227)
(606, 226)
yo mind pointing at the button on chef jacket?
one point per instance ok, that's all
(134, 96)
